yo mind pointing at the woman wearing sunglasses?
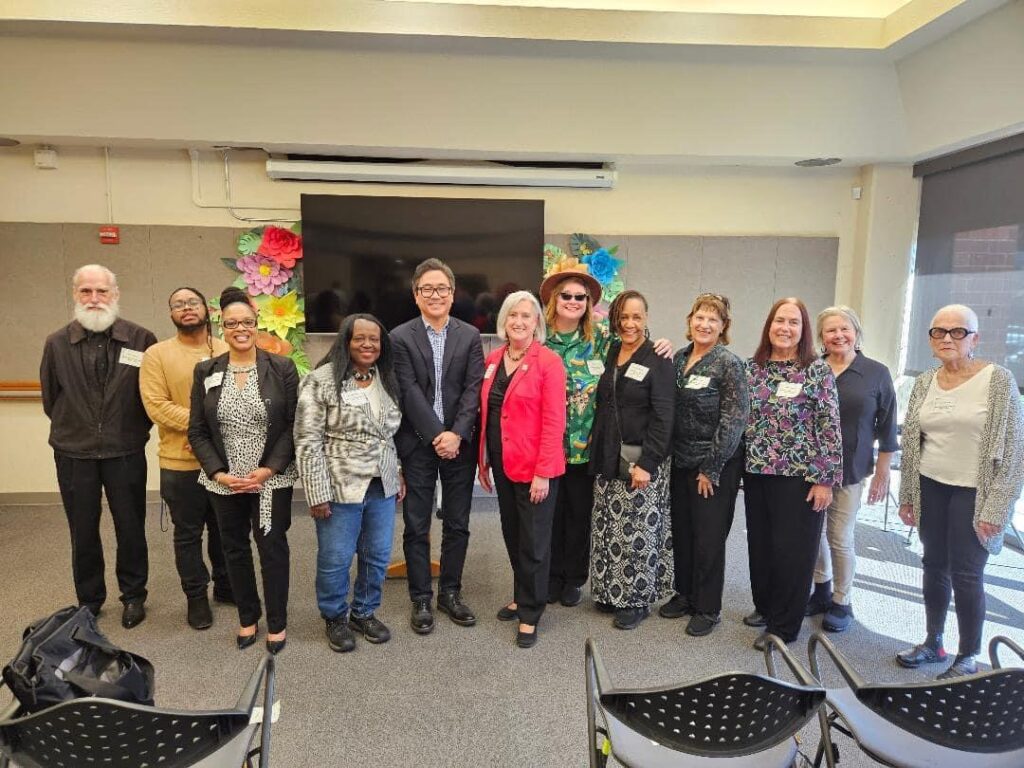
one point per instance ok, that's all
(240, 430)
(962, 472)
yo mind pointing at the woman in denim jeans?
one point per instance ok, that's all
(346, 418)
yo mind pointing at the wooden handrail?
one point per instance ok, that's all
(20, 386)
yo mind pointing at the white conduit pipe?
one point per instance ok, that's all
(231, 208)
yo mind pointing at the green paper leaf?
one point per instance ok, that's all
(613, 250)
(230, 264)
(297, 227)
(301, 361)
(239, 282)
(249, 242)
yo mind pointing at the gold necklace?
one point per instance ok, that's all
(516, 358)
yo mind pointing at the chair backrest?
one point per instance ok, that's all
(724, 716)
(981, 713)
(116, 734)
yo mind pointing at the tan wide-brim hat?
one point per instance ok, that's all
(552, 281)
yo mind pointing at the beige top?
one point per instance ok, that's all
(951, 424)
(165, 381)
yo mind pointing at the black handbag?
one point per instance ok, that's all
(65, 656)
(629, 454)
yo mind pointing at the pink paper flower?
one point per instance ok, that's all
(262, 275)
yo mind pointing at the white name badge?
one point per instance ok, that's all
(130, 357)
(698, 382)
(636, 372)
(943, 404)
(213, 380)
(354, 397)
(788, 389)
(596, 367)
(490, 370)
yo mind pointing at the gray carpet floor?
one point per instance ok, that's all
(463, 696)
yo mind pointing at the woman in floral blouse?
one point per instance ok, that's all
(793, 460)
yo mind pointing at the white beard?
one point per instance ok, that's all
(97, 319)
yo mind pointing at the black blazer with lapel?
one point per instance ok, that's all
(279, 382)
(462, 374)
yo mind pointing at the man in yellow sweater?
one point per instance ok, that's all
(166, 385)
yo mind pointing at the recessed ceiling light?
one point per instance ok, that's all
(817, 162)
(5, 142)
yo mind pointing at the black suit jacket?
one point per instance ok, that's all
(279, 383)
(462, 374)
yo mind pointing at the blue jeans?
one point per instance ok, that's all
(366, 527)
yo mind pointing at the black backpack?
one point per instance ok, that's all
(64, 656)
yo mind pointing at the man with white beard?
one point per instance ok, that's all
(98, 430)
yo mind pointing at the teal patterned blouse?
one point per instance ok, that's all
(584, 362)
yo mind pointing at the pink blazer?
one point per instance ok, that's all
(532, 416)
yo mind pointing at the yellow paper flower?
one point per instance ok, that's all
(279, 314)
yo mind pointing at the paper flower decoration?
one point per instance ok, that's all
(249, 243)
(281, 245)
(603, 266)
(279, 314)
(582, 245)
(268, 342)
(263, 275)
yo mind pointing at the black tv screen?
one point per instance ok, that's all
(359, 253)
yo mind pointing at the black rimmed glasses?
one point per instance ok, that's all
(566, 296)
(958, 334)
(249, 322)
(441, 291)
(177, 306)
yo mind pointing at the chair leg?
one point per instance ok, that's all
(825, 747)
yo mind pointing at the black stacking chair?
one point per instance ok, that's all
(115, 734)
(977, 720)
(732, 720)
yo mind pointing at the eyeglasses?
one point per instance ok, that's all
(566, 296)
(441, 291)
(249, 322)
(716, 296)
(959, 334)
(177, 306)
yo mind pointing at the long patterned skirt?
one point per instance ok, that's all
(631, 563)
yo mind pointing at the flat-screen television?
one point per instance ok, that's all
(359, 253)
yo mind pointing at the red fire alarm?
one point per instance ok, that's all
(110, 235)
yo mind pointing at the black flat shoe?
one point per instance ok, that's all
(630, 618)
(571, 596)
(676, 608)
(276, 646)
(605, 607)
(507, 613)
(527, 639)
(755, 619)
(134, 613)
(245, 641)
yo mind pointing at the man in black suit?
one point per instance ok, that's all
(439, 363)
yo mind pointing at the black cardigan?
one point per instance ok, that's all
(645, 412)
(279, 384)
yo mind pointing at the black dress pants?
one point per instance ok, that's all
(526, 529)
(421, 469)
(123, 480)
(570, 532)
(237, 515)
(954, 561)
(783, 534)
(191, 511)
(700, 528)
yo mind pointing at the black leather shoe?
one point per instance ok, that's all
(199, 615)
(554, 592)
(701, 624)
(527, 639)
(274, 647)
(370, 627)
(339, 636)
(963, 664)
(134, 613)
(676, 608)
(604, 607)
(630, 618)
(912, 658)
(571, 596)
(755, 619)
(422, 620)
(505, 613)
(451, 603)
(245, 641)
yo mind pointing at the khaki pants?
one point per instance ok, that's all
(837, 550)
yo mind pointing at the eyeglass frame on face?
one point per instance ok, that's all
(181, 304)
(566, 296)
(956, 334)
(429, 291)
(230, 325)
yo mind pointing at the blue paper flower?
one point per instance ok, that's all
(603, 266)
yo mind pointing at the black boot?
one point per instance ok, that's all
(820, 600)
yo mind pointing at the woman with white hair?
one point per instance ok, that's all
(867, 416)
(962, 472)
(522, 413)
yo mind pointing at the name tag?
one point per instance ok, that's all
(788, 389)
(213, 380)
(490, 370)
(596, 367)
(698, 382)
(130, 357)
(943, 404)
(354, 397)
(637, 372)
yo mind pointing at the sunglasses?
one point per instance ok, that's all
(959, 334)
(566, 296)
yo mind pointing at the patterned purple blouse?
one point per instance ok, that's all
(794, 422)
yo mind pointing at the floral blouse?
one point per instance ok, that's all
(794, 422)
(584, 363)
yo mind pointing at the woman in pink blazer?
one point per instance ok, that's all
(522, 413)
